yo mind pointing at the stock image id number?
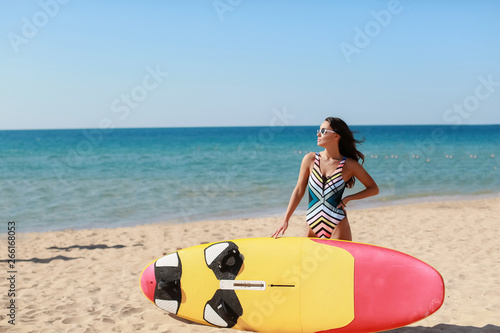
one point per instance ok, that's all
(11, 241)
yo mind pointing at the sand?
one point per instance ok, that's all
(88, 280)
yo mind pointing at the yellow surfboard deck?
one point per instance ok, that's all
(298, 275)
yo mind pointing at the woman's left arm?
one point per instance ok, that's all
(354, 169)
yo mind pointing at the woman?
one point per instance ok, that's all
(327, 174)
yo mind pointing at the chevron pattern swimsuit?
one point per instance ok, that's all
(325, 194)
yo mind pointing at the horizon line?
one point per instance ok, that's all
(226, 126)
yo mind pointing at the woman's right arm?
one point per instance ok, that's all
(297, 194)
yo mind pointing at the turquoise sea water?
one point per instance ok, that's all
(58, 179)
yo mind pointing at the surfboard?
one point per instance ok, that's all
(294, 285)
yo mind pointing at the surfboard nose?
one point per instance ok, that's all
(405, 290)
(148, 282)
(416, 294)
(392, 289)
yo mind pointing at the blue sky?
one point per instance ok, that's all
(89, 64)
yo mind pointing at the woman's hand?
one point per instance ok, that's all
(343, 203)
(281, 229)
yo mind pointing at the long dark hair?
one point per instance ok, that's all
(347, 143)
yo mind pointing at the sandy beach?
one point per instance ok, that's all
(88, 280)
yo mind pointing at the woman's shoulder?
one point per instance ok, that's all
(352, 163)
(310, 156)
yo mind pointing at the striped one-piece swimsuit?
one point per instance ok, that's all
(325, 195)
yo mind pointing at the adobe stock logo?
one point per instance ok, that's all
(223, 6)
(363, 37)
(31, 26)
(94, 137)
(471, 103)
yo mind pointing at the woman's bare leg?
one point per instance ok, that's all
(309, 232)
(342, 231)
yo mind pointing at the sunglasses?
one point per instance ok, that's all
(324, 130)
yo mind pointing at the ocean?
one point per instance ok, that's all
(60, 179)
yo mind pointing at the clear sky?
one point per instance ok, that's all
(89, 63)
